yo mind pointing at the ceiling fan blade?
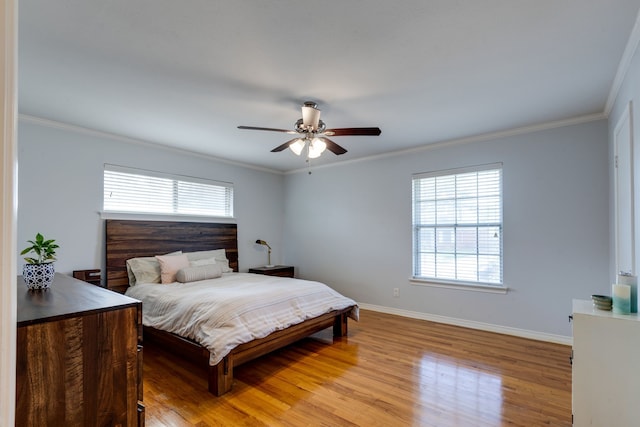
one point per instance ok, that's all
(332, 146)
(269, 129)
(353, 131)
(284, 146)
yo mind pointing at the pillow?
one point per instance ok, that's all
(203, 272)
(219, 255)
(145, 269)
(200, 262)
(130, 275)
(169, 266)
(198, 255)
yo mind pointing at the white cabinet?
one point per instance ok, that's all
(606, 367)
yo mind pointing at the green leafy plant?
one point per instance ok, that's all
(44, 249)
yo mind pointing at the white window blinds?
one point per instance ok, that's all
(457, 225)
(149, 192)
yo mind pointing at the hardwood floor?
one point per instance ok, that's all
(390, 371)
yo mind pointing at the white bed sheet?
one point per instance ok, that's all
(222, 313)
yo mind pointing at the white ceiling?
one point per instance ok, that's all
(187, 73)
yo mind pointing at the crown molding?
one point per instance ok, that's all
(467, 140)
(427, 146)
(101, 134)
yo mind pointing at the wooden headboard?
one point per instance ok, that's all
(130, 239)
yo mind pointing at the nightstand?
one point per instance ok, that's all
(276, 270)
(89, 276)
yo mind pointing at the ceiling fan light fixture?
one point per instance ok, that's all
(310, 116)
(316, 148)
(297, 146)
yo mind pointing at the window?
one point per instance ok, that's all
(147, 192)
(457, 226)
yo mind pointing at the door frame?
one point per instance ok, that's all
(8, 208)
(624, 209)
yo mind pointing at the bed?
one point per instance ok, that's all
(126, 239)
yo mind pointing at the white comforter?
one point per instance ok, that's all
(222, 313)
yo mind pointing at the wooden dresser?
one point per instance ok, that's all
(79, 356)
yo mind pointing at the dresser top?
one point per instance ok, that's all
(67, 297)
(586, 307)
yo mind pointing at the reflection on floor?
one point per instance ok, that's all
(390, 371)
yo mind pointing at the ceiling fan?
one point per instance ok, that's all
(312, 134)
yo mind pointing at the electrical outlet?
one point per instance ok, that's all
(396, 292)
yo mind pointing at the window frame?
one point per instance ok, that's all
(419, 277)
(178, 181)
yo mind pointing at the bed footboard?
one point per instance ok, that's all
(221, 375)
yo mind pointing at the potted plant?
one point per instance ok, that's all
(39, 270)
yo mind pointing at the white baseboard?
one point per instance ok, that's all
(524, 333)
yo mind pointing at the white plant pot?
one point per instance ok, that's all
(38, 276)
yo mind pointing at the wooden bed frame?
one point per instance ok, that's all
(129, 239)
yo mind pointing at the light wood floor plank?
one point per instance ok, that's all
(389, 371)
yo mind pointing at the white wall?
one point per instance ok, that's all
(60, 191)
(629, 91)
(350, 226)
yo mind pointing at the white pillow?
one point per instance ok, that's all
(169, 266)
(201, 262)
(203, 272)
(219, 255)
(145, 269)
(215, 253)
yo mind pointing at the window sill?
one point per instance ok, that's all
(463, 286)
(163, 217)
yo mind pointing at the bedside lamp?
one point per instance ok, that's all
(262, 242)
